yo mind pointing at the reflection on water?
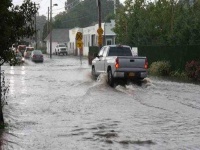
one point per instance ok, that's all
(23, 87)
(12, 71)
(14, 83)
(23, 71)
(11, 85)
(56, 105)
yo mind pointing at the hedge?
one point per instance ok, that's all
(178, 56)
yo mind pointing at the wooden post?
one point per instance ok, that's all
(1, 107)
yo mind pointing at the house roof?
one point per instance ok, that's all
(59, 35)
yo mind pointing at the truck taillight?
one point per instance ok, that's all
(116, 63)
(146, 64)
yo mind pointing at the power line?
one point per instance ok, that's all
(71, 4)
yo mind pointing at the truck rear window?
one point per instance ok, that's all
(119, 51)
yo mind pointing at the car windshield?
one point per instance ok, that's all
(29, 48)
(37, 52)
(62, 46)
(120, 51)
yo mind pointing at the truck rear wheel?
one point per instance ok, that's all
(93, 72)
(110, 78)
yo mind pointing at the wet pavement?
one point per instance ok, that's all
(57, 105)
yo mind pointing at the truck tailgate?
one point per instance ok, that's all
(131, 62)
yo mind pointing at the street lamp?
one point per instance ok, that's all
(51, 27)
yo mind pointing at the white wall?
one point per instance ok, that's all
(72, 39)
(85, 51)
(87, 36)
(107, 27)
(108, 33)
(53, 47)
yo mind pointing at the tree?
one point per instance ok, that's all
(41, 21)
(83, 13)
(162, 22)
(16, 23)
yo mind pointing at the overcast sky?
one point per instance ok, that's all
(44, 4)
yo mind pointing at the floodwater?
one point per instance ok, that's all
(56, 105)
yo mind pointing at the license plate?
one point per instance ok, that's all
(131, 74)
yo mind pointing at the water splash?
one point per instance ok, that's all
(102, 78)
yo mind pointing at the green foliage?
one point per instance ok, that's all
(4, 90)
(3, 126)
(177, 55)
(192, 69)
(41, 21)
(16, 23)
(160, 68)
(83, 14)
(160, 22)
(178, 74)
(93, 50)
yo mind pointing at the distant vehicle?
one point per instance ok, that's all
(61, 49)
(19, 58)
(21, 48)
(118, 62)
(37, 56)
(28, 51)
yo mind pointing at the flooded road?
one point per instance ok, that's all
(56, 105)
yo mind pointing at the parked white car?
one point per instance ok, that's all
(61, 49)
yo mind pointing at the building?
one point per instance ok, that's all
(72, 40)
(58, 36)
(90, 37)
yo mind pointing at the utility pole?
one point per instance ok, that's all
(35, 28)
(99, 12)
(50, 28)
(48, 23)
(100, 30)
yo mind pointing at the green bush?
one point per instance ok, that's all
(178, 74)
(160, 68)
(192, 69)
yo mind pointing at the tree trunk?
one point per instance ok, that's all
(1, 111)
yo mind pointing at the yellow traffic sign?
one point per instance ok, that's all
(100, 31)
(79, 43)
(79, 36)
(100, 40)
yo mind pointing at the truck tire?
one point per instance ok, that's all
(93, 72)
(110, 78)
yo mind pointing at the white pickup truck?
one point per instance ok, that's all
(118, 62)
(61, 49)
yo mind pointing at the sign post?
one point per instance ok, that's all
(79, 44)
